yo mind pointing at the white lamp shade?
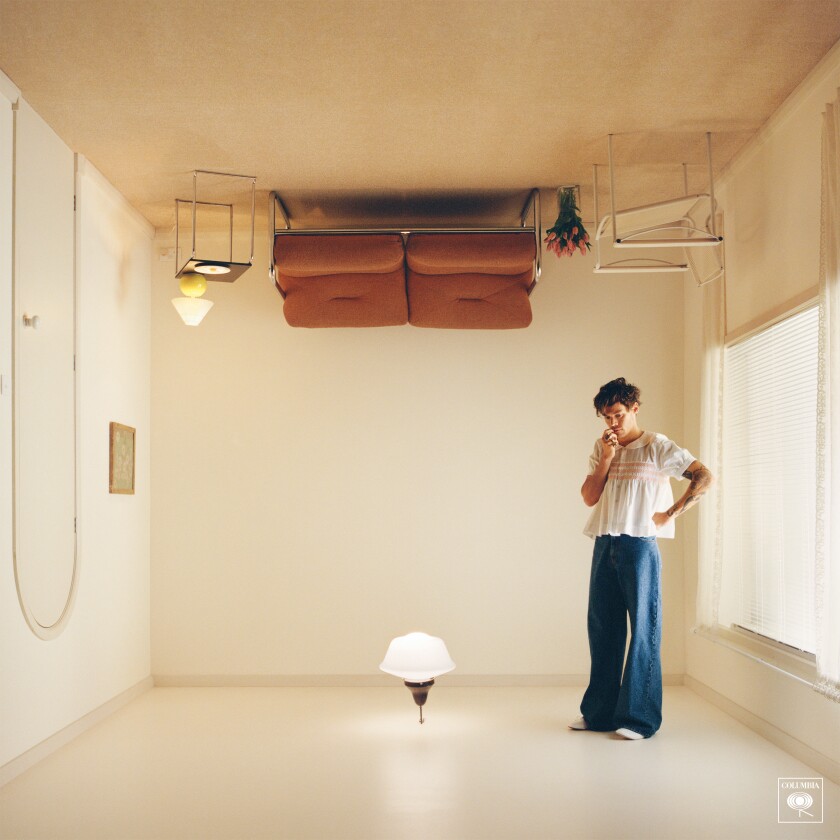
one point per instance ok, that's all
(192, 309)
(417, 657)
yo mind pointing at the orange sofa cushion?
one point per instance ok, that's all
(469, 301)
(350, 280)
(470, 281)
(471, 253)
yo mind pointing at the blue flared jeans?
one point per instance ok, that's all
(625, 580)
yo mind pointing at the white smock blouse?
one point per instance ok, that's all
(637, 487)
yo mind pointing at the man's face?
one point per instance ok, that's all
(621, 419)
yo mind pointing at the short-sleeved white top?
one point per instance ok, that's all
(637, 487)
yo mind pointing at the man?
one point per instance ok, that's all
(628, 487)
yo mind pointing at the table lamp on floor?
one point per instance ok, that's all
(417, 659)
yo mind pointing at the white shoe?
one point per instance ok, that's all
(579, 723)
(629, 734)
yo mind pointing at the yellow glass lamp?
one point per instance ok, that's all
(191, 307)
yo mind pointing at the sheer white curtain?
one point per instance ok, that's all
(709, 548)
(827, 575)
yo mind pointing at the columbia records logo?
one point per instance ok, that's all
(801, 800)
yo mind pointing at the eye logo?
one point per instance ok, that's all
(800, 802)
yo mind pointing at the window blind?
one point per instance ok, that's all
(769, 481)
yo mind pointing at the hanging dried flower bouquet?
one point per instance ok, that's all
(567, 234)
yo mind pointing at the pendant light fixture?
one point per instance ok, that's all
(214, 237)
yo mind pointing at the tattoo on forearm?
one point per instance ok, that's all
(701, 480)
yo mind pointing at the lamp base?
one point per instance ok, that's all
(419, 691)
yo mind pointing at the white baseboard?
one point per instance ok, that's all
(32, 756)
(375, 680)
(826, 766)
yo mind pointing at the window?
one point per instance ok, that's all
(769, 471)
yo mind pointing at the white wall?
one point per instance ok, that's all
(771, 198)
(45, 409)
(104, 648)
(317, 492)
(771, 203)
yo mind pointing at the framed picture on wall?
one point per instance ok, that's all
(121, 469)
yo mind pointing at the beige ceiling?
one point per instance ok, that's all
(409, 97)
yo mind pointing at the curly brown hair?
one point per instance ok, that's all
(618, 390)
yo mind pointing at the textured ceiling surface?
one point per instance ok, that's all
(389, 100)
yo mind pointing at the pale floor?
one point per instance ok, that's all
(335, 764)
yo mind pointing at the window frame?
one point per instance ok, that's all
(778, 655)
